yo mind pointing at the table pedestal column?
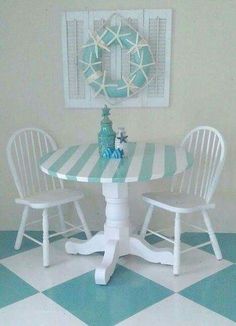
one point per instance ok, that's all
(116, 239)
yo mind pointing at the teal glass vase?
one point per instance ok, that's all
(106, 136)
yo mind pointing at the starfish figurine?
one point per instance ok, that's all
(103, 85)
(90, 64)
(106, 111)
(96, 75)
(97, 42)
(122, 138)
(137, 45)
(129, 85)
(140, 67)
(117, 35)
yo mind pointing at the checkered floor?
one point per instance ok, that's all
(139, 293)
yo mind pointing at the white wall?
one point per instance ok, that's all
(202, 90)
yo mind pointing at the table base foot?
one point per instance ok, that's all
(108, 265)
(113, 249)
(86, 247)
(143, 249)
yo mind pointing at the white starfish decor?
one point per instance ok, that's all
(94, 76)
(140, 67)
(90, 64)
(129, 85)
(103, 85)
(116, 35)
(93, 57)
(137, 45)
(97, 42)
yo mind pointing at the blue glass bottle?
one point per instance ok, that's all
(106, 136)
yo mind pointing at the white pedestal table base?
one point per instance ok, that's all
(116, 240)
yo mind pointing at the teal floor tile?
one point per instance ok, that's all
(126, 294)
(13, 288)
(81, 235)
(227, 243)
(8, 238)
(216, 292)
(152, 239)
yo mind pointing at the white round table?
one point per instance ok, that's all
(145, 161)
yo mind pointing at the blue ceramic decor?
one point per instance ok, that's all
(107, 153)
(118, 153)
(106, 136)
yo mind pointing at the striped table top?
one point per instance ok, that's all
(145, 161)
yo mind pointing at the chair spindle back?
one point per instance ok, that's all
(24, 150)
(207, 146)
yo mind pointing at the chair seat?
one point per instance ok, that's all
(50, 198)
(177, 202)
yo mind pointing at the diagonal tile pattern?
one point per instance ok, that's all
(8, 238)
(37, 310)
(222, 289)
(63, 267)
(139, 293)
(195, 266)
(13, 288)
(127, 294)
(178, 311)
(227, 242)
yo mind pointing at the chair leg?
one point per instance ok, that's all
(146, 221)
(177, 244)
(45, 239)
(82, 218)
(21, 230)
(62, 220)
(212, 236)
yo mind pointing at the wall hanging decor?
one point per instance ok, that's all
(121, 57)
(141, 59)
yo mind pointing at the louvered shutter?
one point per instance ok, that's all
(154, 25)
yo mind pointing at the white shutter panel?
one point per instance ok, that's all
(74, 33)
(154, 25)
(157, 26)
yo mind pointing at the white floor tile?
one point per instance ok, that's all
(177, 311)
(195, 265)
(37, 310)
(28, 266)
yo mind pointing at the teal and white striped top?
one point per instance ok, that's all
(145, 161)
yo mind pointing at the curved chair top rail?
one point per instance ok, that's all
(208, 148)
(38, 130)
(24, 149)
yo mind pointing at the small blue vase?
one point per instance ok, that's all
(106, 136)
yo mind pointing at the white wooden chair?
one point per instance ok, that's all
(36, 189)
(192, 190)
